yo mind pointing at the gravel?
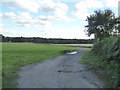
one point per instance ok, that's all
(61, 72)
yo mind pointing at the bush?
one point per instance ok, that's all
(108, 49)
(104, 59)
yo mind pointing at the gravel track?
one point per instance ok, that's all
(61, 72)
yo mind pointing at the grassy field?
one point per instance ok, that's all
(16, 55)
(77, 45)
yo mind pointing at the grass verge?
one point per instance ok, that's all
(107, 71)
(16, 55)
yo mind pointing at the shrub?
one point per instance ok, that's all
(104, 59)
(108, 49)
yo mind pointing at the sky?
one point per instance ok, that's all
(50, 18)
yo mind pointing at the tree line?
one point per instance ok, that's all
(46, 40)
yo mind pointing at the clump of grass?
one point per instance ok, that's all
(68, 51)
(16, 55)
(86, 46)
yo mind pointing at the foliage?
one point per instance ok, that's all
(16, 55)
(104, 60)
(108, 49)
(46, 40)
(101, 24)
(107, 72)
(117, 26)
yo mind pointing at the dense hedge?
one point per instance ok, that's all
(108, 49)
(104, 59)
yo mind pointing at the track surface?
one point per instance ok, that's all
(61, 72)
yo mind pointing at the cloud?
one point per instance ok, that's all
(54, 11)
(47, 33)
(7, 32)
(1, 25)
(111, 3)
(15, 33)
(58, 9)
(80, 11)
(9, 15)
(24, 19)
(0, 15)
(41, 5)
(68, 34)
(27, 4)
(83, 6)
(25, 15)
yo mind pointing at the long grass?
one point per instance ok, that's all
(16, 55)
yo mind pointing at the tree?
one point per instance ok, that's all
(100, 24)
(117, 26)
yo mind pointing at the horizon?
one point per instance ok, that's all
(50, 18)
(43, 37)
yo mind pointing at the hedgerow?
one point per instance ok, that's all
(104, 59)
(108, 49)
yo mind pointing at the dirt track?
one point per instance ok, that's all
(61, 72)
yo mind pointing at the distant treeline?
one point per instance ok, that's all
(46, 40)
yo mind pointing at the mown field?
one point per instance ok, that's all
(16, 55)
(77, 45)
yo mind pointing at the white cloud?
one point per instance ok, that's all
(42, 5)
(0, 15)
(7, 32)
(63, 18)
(9, 15)
(46, 33)
(59, 10)
(68, 34)
(28, 4)
(80, 11)
(25, 15)
(93, 3)
(56, 11)
(1, 25)
(14, 33)
(82, 7)
(111, 3)
(46, 5)
(24, 19)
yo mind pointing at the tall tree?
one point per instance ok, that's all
(117, 26)
(100, 24)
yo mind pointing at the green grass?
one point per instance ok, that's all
(108, 72)
(16, 55)
(86, 46)
(77, 45)
(81, 46)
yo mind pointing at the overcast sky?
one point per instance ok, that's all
(49, 18)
